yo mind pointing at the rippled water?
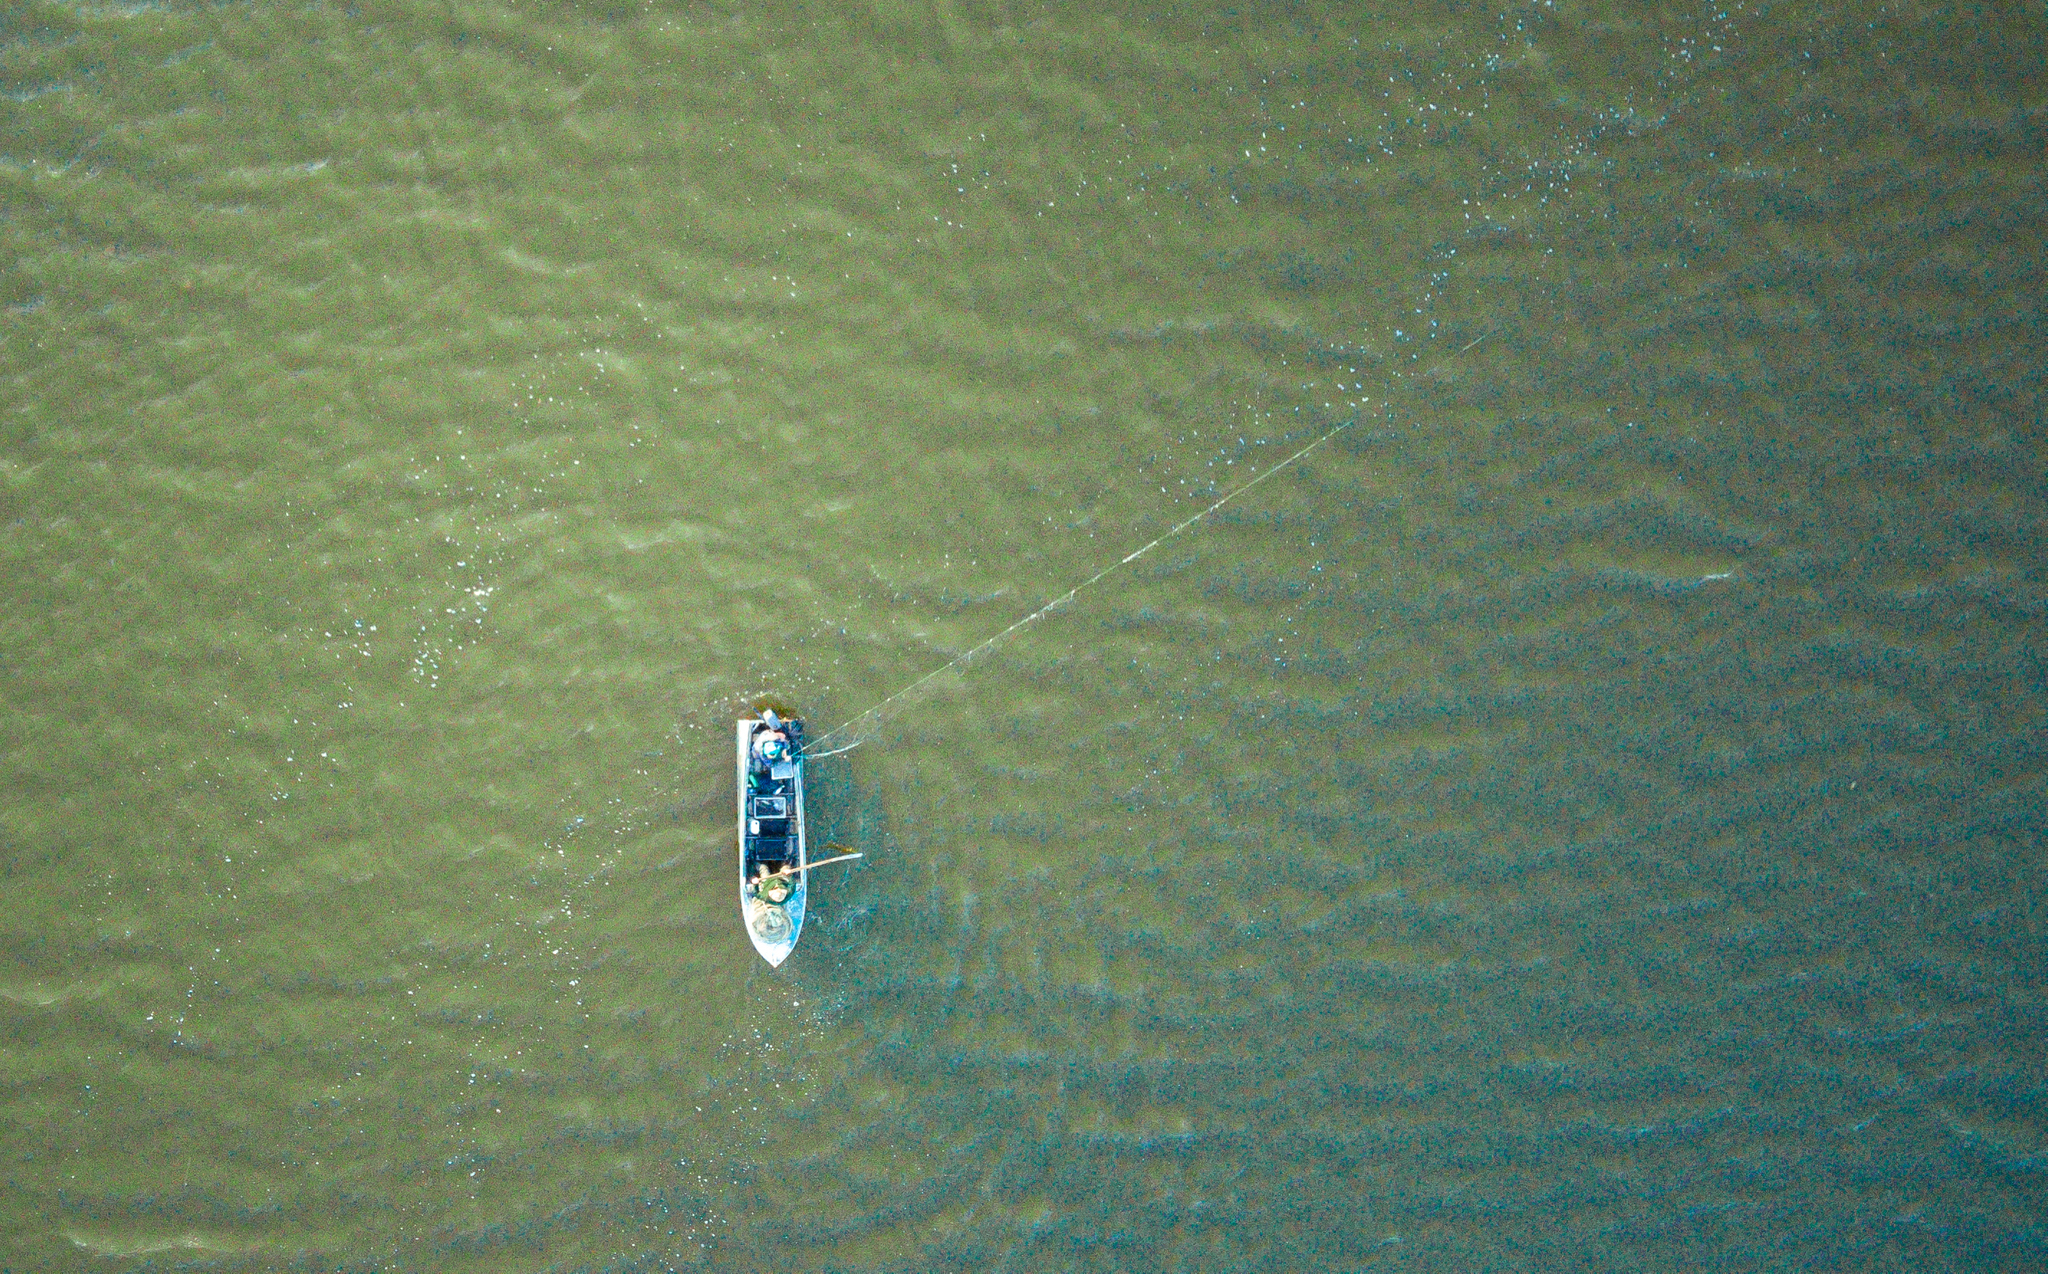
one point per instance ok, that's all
(1586, 814)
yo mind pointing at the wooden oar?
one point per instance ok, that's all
(822, 862)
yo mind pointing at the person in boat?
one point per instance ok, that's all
(771, 744)
(771, 747)
(773, 886)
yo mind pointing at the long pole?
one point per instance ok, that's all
(822, 862)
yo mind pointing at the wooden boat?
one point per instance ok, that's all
(773, 865)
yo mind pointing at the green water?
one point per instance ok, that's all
(1586, 814)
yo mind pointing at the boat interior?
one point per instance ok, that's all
(771, 813)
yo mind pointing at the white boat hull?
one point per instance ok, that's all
(773, 928)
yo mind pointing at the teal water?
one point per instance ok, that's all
(1586, 814)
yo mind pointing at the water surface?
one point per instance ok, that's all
(1587, 813)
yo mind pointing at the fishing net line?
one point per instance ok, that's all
(860, 727)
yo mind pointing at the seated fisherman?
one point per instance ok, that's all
(772, 886)
(771, 744)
